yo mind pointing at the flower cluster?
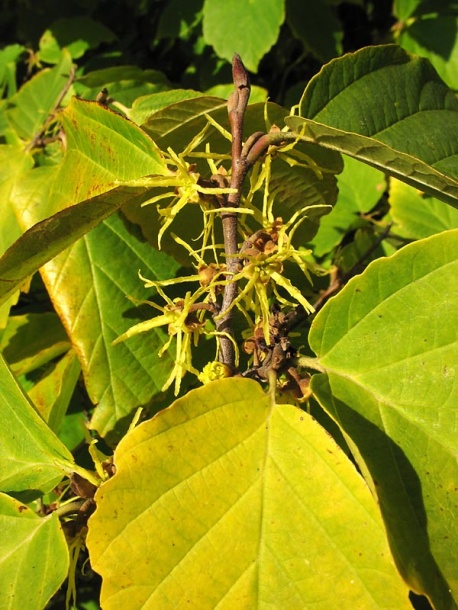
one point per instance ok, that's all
(260, 270)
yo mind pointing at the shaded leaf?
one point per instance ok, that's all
(388, 343)
(26, 347)
(76, 34)
(434, 36)
(390, 110)
(31, 456)
(52, 393)
(258, 491)
(249, 29)
(124, 84)
(179, 19)
(295, 188)
(316, 26)
(179, 120)
(416, 215)
(34, 556)
(360, 187)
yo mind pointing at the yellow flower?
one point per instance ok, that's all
(183, 326)
(213, 371)
(263, 268)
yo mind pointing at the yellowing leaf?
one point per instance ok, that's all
(227, 500)
(32, 458)
(389, 344)
(33, 556)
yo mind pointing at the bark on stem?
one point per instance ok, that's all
(236, 106)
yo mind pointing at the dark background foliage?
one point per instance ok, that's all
(167, 36)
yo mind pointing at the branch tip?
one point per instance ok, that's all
(239, 73)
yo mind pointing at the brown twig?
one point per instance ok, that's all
(236, 105)
(337, 283)
(342, 279)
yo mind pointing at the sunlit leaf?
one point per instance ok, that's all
(390, 110)
(360, 187)
(34, 556)
(14, 162)
(389, 345)
(103, 150)
(403, 9)
(249, 29)
(434, 36)
(95, 309)
(36, 99)
(259, 492)
(57, 233)
(9, 57)
(416, 215)
(52, 393)
(31, 456)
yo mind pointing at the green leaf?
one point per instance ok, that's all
(175, 122)
(390, 110)
(103, 151)
(35, 247)
(259, 492)
(36, 100)
(249, 29)
(364, 246)
(417, 216)
(146, 106)
(31, 456)
(14, 162)
(360, 187)
(9, 57)
(26, 347)
(52, 393)
(295, 188)
(179, 19)
(403, 9)
(124, 84)
(257, 94)
(388, 344)
(94, 306)
(316, 25)
(434, 36)
(34, 556)
(77, 34)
